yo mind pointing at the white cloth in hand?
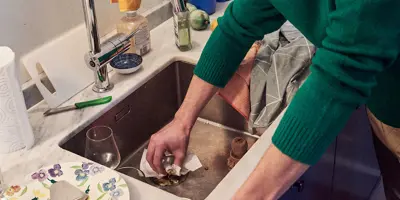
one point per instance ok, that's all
(191, 163)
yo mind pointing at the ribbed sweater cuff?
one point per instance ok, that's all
(213, 70)
(299, 142)
(314, 118)
(217, 63)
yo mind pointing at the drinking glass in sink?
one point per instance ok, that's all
(101, 147)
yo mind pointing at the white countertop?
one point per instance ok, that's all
(50, 131)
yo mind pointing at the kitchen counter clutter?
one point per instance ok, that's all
(50, 131)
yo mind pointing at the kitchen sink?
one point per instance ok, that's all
(153, 105)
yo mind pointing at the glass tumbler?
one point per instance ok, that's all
(101, 147)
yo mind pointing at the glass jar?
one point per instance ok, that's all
(182, 30)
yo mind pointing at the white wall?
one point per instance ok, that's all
(26, 24)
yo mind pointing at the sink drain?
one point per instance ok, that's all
(169, 180)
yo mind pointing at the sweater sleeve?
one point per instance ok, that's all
(362, 39)
(244, 22)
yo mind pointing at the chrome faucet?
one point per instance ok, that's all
(101, 54)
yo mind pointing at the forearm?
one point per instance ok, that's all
(274, 174)
(197, 96)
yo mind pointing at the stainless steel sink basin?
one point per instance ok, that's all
(152, 106)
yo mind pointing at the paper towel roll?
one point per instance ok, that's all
(15, 129)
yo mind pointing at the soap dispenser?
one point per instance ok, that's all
(131, 22)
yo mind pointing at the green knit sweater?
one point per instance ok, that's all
(356, 63)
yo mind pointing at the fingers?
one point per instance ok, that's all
(179, 158)
(150, 154)
(158, 155)
(154, 155)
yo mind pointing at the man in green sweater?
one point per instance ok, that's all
(356, 63)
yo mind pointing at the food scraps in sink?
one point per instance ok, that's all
(169, 180)
(174, 176)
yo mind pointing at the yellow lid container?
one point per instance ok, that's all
(127, 5)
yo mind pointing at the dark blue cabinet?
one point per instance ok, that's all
(316, 183)
(347, 171)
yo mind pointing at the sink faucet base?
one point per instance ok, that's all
(102, 82)
(102, 90)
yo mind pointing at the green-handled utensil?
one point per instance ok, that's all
(78, 105)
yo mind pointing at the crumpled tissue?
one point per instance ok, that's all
(191, 163)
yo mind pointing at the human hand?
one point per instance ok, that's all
(174, 138)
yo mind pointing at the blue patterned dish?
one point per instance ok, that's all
(126, 63)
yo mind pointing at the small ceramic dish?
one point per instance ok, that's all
(126, 63)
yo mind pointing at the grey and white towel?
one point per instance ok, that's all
(281, 66)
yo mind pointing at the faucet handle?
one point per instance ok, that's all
(112, 47)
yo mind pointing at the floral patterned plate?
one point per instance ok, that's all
(98, 182)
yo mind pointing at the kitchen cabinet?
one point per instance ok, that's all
(347, 171)
(356, 167)
(316, 183)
